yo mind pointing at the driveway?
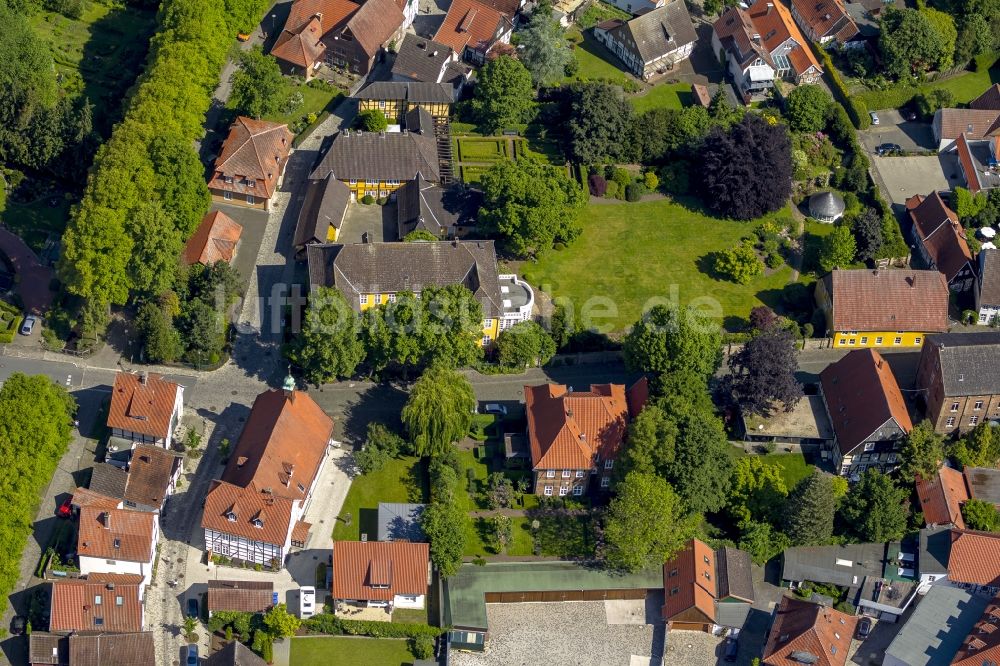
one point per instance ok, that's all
(33, 279)
(893, 128)
(378, 221)
(902, 177)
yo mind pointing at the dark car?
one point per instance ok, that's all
(192, 608)
(730, 649)
(17, 625)
(192, 656)
(864, 628)
(888, 149)
(910, 115)
(65, 509)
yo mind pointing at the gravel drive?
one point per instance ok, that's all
(574, 632)
(692, 648)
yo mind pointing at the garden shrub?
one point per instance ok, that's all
(368, 200)
(422, 647)
(611, 190)
(597, 184)
(856, 108)
(622, 178)
(651, 181)
(634, 191)
(773, 260)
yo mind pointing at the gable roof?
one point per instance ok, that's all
(247, 596)
(108, 480)
(142, 403)
(372, 268)
(150, 471)
(775, 25)
(325, 206)
(942, 496)
(935, 629)
(658, 32)
(472, 24)
(331, 13)
(115, 534)
(86, 497)
(418, 92)
(424, 205)
(74, 604)
(134, 649)
(567, 429)
(937, 227)
(45, 648)
(974, 558)
(982, 645)
(888, 300)
(989, 99)
(736, 32)
(827, 18)
(400, 522)
(214, 240)
(301, 47)
(983, 483)
(234, 653)
(801, 629)
(379, 570)
(845, 565)
(374, 23)
(861, 395)
(967, 361)
(972, 123)
(989, 280)
(254, 149)
(694, 583)
(421, 59)
(379, 156)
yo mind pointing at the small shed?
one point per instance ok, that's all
(826, 206)
(400, 522)
(700, 95)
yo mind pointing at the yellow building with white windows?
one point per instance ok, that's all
(373, 274)
(397, 98)
(882, 308)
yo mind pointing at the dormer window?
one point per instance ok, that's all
(257, 522)
(228, 179)
(118, 543)
(119, 601)
(231, 517)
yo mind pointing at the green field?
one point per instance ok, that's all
(965, 86)
(349, 651)
(664, 95)
(472, 174)
(793, 466)
(401, 480)
(595, 62)
(630, 253)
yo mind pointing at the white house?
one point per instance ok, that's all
(987, 286)
(145, 408)
(118, 541)
(652, 42)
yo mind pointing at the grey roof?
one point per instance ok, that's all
(379, 156)
(371, 268)
(826, 204)
(418, 120)
(324, 206)
(984, 483)
(400, 522)
(968, 362)
(937, 627)
(659, 31)
(845, 565)
(733, 574)
(935, 548)
(421, 59)
(989, 279)
(732, 614)
(412, 91)
(234, 654)
(109, 480)
(423, 205)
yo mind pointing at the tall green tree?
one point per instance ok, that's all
(757, 492)
(524, 344)
(979, 448)
(371, 120)
(645, 524)
(598, 123)
(652, 438)
(503, 96)
(162, 342)
(670, 339)
(439, 410)
(701, 469)
(445, 523)
(910, 42)
(543, 48)
(157, 246)
(809, 511)
(180, 182)
(451, 329)
(944, 26)
(280, 623)
(763, 541)
(974, 38)
(257, 87)
(876, 510)
(838, 249)
(532, 205)
(922, 452)
(329, 345)
(806, 108)
(981, 515)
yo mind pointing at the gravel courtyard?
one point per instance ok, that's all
(574, 632)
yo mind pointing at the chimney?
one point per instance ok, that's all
(143, 378)
(106, 520)
(434, 54)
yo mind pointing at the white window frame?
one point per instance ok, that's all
(251, 200)
(487, 340)
(974, 420)
(605, 481)
(364, 299)
(566, 473)
(550, 474)
(852, 341)
(977, 405)
(869, 446)
(878, 340)
(548, 491)
(917, 340)
(227, 195)
(950, 423)
(487, 323)
(577, 490)
(898, 340)
(563, 491)
(954, 407)
(392, 298)
(579, 473)
(842, 341)
(378, 299)
(609, 463)
(864, 340)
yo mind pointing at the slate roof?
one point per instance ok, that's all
(132, 649)
(370, 268)
(374, 23)
(937, 228)
(935, 546)
(44, 648)
(983, 483)
(142, 403)
(827, 18)
(942, 496)
(733, 573)
(418, 120)
(568, 429)
(981, 646)
(234, 653)
(379, 156)
(325, 206)
(421, 59)
(990, 99)
(149, 473)
(248, 596)
(974, 558)
(424, 205)
(400, 522)
(888, 300)
(379, 570)
(989, 288)
(411, 91)
(845, 565)
(967, 362)
(658, 32)
(470, 23)
(214, 240)
(861, 395)
(74, 604)
(255, 150)
(301, 47)
(801, 628)
(108, 480)
(937, 626)
(115, 534)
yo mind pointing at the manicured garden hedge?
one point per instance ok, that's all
(326, 623)
(856, 108)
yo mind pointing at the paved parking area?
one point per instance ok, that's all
(254, 222)
(892, 128)
(692, 648)
(574, 632)
(902, 177)
(378, 221)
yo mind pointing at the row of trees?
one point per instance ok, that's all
(915, 41)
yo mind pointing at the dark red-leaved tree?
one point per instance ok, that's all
(762, 374)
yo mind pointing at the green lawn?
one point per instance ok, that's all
(793, 466)
(477, 531)
(472, 174)
(349, 651)
(314, 100)
(595, 62)
(401, 480)
(481, 150)
(630, 253)
(665, 95)
(965, 87)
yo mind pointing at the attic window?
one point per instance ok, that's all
(302, 488)
(118, 543)
(833, 648)
(782, 638)
(97, 600)
(257, 522)
(98, 621)
(119, 601)
(231, 517)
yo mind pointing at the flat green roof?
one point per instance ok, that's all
(464, 593)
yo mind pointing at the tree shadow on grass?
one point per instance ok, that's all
(706, 265)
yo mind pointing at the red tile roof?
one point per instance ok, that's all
(982, 646)
(938, 229)
(330, 12)
(255, 150)
(807, 628)
(374, 24)
(75, 608)
(86, 497)
(968, 164)
(149, 475)
(142, 404)
(248, 507)
(941, 497)
(695, 581)
(239, 595)
(135, 649)
(115, 534)
(567, 429)
(775, 25)
(379, 570)
(974, 558)
(302, 47)
(861, 395)
(214, 240)
(469, 23)
(827, 18)
(888, 300)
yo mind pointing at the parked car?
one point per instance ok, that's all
(910, 115)
(730, 649)
(888, 148)
(18, 624)
(864, 628)
(29, 324)
(307, 602)
(65, 509)
(874, 117)
(192, 655)
(494, 408)
(192, 608)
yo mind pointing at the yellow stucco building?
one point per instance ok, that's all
(397, 98)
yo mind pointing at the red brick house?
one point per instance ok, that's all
(705, 588)
(959, 380)
(248, 171)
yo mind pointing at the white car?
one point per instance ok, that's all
(307, 602)
(874, 117)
